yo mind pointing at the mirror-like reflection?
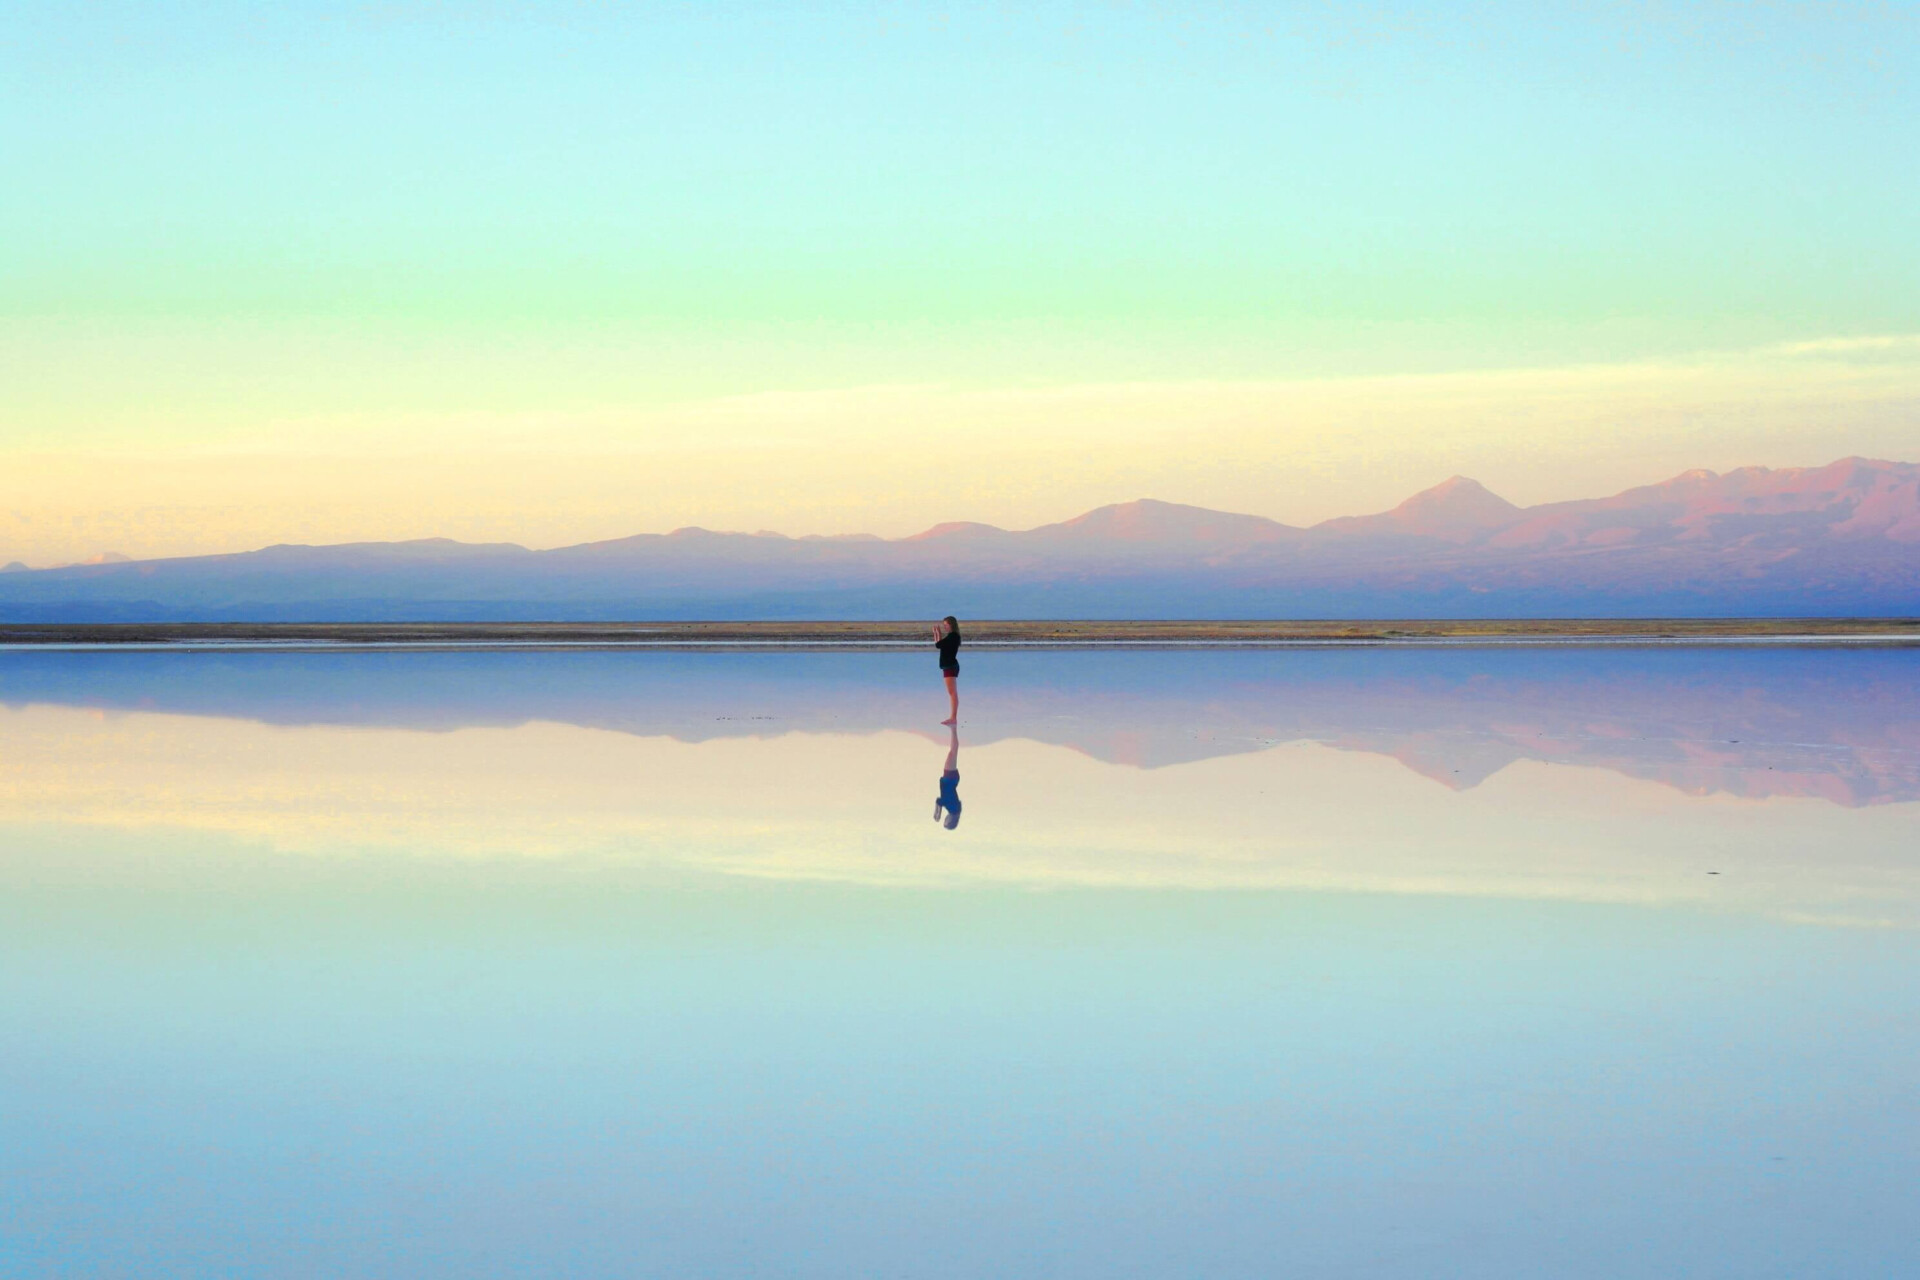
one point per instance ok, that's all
(1457, 962)
(946, 806)
(1615, 775)
(1840, 724)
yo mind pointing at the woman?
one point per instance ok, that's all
(946, 635)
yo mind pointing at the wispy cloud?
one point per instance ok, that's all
(1843, 346)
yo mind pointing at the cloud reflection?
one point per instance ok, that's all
(1843, 726)
(1765, 784)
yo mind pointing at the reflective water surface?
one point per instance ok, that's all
(1575, 961)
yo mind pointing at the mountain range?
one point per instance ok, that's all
(1838, 539)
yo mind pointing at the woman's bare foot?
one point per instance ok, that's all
(949, 720)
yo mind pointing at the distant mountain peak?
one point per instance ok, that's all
(1151, 520)
(954, 529)
(1459, 491)
(1458, 509)
(14, 566)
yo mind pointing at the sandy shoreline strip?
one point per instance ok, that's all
(996, 634)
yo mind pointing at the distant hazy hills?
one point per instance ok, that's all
(1839, 539)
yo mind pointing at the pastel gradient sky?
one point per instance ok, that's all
(545, 273)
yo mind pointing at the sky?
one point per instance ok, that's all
(317, 272)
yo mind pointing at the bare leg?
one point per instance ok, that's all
(953, 697)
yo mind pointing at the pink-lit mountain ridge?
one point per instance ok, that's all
(1839, 539)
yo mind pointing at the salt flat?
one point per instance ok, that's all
(1582, 960)
(988, 632)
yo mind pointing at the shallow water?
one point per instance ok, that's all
(1590, 961)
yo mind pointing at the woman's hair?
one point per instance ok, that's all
(953, 624)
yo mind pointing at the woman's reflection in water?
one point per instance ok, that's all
(950, 784)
